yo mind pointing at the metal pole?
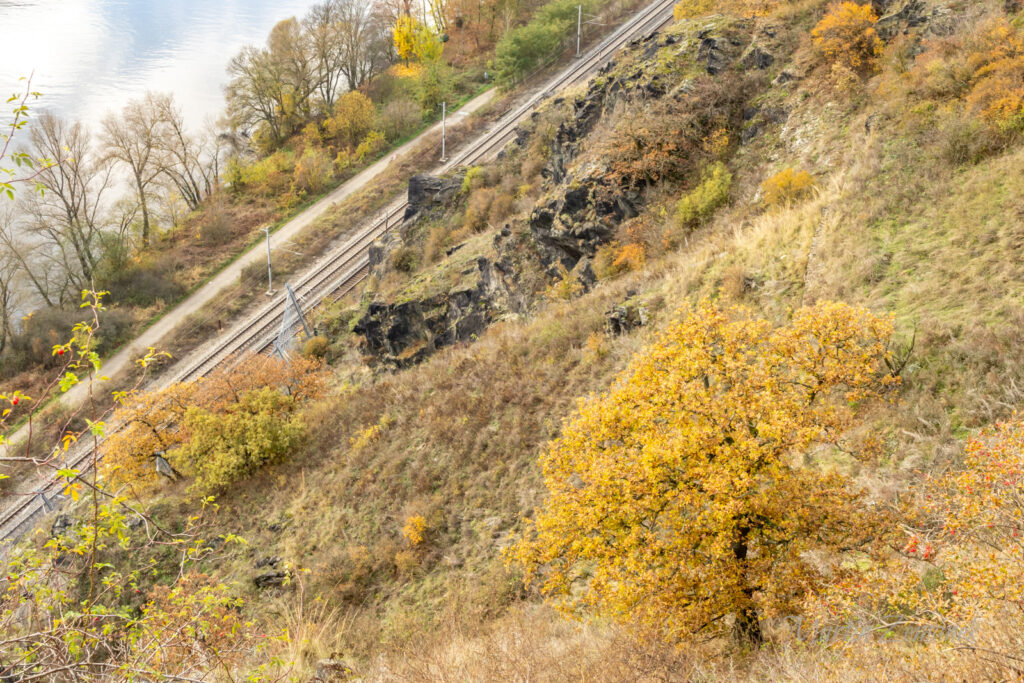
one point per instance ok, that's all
(270, 274)
(444, 129)
(579, 27)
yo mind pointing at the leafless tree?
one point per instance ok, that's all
(346, 41)
(10, 271)
(65, 223)
(132, 138)
(190, 162)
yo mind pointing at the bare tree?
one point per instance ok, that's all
(10, 271)
(191, 163)
(66, 221)
(132, 139)
(345, 40)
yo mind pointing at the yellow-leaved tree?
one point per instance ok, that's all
(678, 498)
(847, 35)
(216, 428)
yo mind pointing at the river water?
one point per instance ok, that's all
(90, 57)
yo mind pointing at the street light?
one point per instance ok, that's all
(444, 130)
(270, 274)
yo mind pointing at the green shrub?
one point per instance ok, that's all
(224, 447)
(316, 347)
(405, 259)
(475, 177)
(698, 205)
(524, 49)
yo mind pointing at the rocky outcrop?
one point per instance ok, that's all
(403, 333)
(574, 223)
(903, 16)
(583, 210)
(427, 192)
(625, 318)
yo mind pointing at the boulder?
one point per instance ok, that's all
(427, 192)
(332, 670)
(625, 318)
(272, 579)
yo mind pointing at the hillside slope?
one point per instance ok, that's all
(729, 159)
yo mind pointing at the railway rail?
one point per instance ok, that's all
(345, 265)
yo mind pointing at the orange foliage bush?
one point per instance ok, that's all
(630, 256)
(847, 36)
(963, 555)
(997, 61)
(786, 186)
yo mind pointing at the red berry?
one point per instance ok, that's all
(60, 352)
(14, 401)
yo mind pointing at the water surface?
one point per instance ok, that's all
(92, 56)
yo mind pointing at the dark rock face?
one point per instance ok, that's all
(756, 58)
(270, 579)
(402, 334)
(572, 226)
(584, 209)
(427, 191)
(903, 15)
(625, 318)
(61, 525)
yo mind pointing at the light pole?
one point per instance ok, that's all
(270, 274)
(444, 130)
(579, 27)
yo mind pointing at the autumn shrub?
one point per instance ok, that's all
(846, 35)
(313, 171)
(630, 256)
(372, 145)
(155, 421)
(675, 499)
(215, 226)
(668, 140)
(997, 59)
(405, 259)
(503, 206)
(478, 208)
(566, 285)
(786, 186)
(698, 205)
(688, 9)
(475, 178)
(604, 261)
(352, 119)
(225, 446)
(400, 118)
(414, 529)
(316, 347)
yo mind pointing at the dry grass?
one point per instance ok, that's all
(455, 439)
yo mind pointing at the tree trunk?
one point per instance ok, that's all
(747, 627)
(145, 211)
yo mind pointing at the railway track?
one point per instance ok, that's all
(345, 265)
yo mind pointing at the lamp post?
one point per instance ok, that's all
(579, 27)
(270, 274)
(444, 130)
